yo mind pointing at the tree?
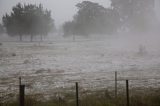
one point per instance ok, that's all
(28, 20)
(136, 15)
(92, 18)
(1, 29)
(68, 28)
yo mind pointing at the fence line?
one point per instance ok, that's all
(117, 79)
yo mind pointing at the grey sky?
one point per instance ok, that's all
(62, 10)
(157, 8)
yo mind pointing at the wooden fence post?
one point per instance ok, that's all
(116, 85)
(127, 92)
(21, 93)
(77, 99)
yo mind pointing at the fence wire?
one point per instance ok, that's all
(100, 91)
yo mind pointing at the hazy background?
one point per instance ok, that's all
(79, 58)
(62, 10)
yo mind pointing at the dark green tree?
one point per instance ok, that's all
(68, 28)
(92, 18)
(28, 20)
(1, 29)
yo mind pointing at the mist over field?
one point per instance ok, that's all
(52, 44)
(62, 12)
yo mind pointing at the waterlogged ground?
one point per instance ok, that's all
(58, 64)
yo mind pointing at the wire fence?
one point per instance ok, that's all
(119, 91)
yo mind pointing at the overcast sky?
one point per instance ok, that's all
(62, 10)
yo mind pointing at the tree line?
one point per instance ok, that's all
(27, 20)
(91, 18)
(123, 16)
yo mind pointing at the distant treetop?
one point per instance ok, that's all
(28, 20)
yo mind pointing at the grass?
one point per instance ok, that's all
(146, 97)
